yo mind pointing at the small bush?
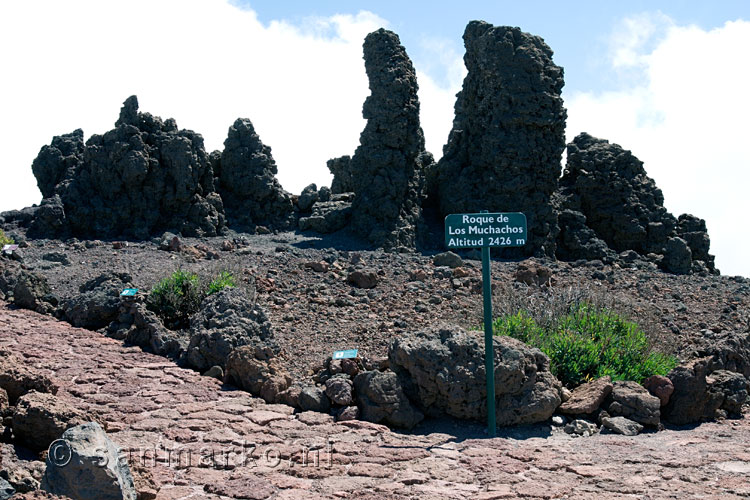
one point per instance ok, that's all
(178, 296)
(588, 343)
(223, 280)
(4, 240)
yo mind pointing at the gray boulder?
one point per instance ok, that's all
(328, 217)
(443, 373)
(387, 167)
(98, 302)
(308, 197)
(381, 399)
(227, 320)
(632, 400)
(678, 259)
(246, 173)
(339, 390)
(136, 325)
(504, 151)
(313, 398)
(93, 470)
(32, 292)
(448, 259)
(622, 425)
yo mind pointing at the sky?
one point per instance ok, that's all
(666, 80)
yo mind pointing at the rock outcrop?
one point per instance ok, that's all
(40, 418)
(443, 372)
(227, 320)
(503, 153)
(381, 398)
(387, 168)
(251, 369)
(98, 303)
(246, 174)
(141, 178)
(340, 168)
(93, 468)
(606, 195)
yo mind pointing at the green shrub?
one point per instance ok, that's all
(4, 240)
(223, 280)
(588, 343)
(178, 296)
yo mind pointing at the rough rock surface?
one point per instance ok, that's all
(314, 399)
(587, 398)
(443, 371)
(387, 167)
(503, 153)
(98, 303)
(249, 368)
(247, 181)
(32, 291)
(40, 418)
(606, 188)
(329, 216)
(141, 178)
(146, 401)
(631, 400)
(136, 325)
(227, 320)
(95, 471)
(381, 399)
(342, 176)
(659, 386)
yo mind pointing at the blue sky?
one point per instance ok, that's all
(667, 80)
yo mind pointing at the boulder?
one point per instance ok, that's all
(308, 197)
(678, 259)
(659, 386)
(363, 279)
(6, 490)
(328, 217)
(443, 373)
(227, 320)
(531, 273)
(32, 292)
(140, 178)
(630, 399)
(622, 425)
(348, 413)
(17, 378)
(250, 368)
(339, 390)
(387, 169)
(733, 388)
(136, 325)
(504, 151)
(581, 427)
(381, 399)
(586, 398)
(313, 398)
(447, 259)
(93, 470)
(693, 230)
(246, 173)
(98, 302)
(40, 418)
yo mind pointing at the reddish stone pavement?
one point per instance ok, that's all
(145, 401)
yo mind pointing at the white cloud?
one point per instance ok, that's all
(686, 120)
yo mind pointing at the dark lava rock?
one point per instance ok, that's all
(308, 197)
(443, 371)
(227, 320)
(57, 162)
(141, 178)
(363, 279)
(387, 167)
(98, 303)
(314, 399)
(247, 181)
(504, 152)
(32, 292)
(329, 216)
(381, 399)
(605, 195)
(631, 400)
(342, 176)
(136, 325)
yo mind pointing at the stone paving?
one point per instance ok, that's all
(186, 436)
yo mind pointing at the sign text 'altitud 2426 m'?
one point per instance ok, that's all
(485, 230)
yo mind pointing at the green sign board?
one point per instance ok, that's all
(485, 230)
(129, 292)
(348, 354)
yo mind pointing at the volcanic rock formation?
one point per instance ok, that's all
(606, 187)
(387, 167)
(246, 173)
(503, 154)
(141, 178)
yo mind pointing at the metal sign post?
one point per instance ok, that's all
(485, 230)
